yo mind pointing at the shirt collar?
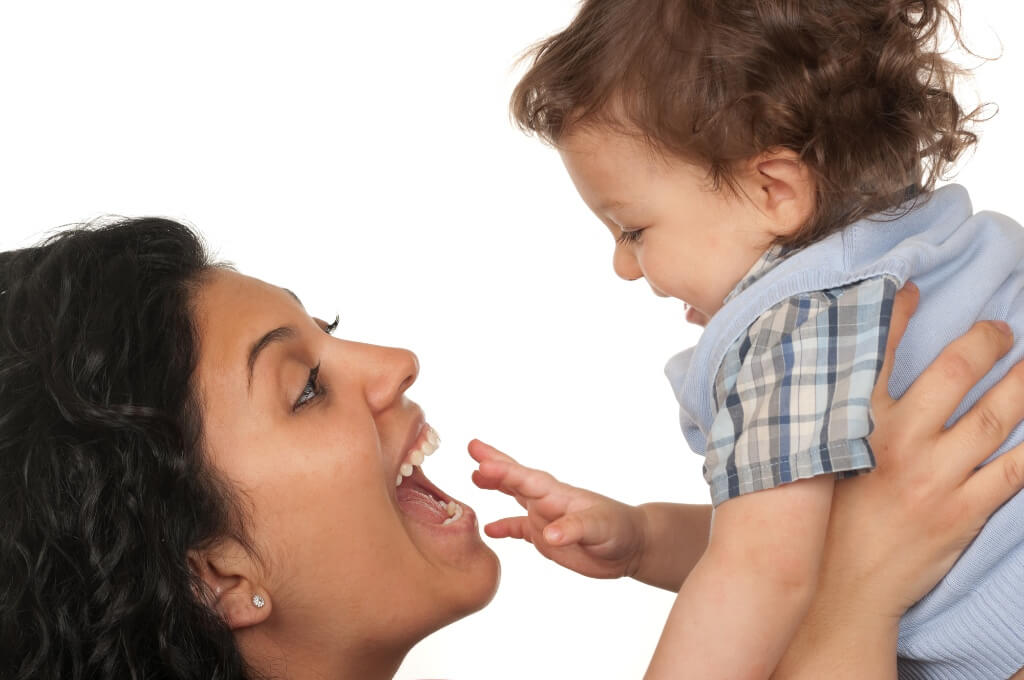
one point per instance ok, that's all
(767, 262)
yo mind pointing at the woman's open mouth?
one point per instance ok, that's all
(417, 496)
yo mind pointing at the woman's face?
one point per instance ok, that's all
(351, 564)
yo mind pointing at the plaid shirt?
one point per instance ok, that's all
(793, 393)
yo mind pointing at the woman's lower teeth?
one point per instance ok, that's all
(454, 511)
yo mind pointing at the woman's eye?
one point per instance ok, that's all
(627, 237)
(311, 391)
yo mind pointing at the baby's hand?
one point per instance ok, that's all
(580, 530)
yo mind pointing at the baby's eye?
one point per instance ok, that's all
(311, 391)
(628, 237)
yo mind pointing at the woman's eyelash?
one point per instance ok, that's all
(313, 388)
(311, 391)
(627, 237)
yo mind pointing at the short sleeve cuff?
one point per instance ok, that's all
(844, 458)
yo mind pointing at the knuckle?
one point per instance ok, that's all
(1016, 375)
(955, 366)
(988, 422)
(1013, 471)
(996, 336)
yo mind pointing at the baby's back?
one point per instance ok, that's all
(972, 624)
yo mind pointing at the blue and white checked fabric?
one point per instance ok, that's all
(793, 393)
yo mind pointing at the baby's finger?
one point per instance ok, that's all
(996, 483)
(486, 481)
(522, 481)
(587, 527)
(481, 452)
(509, 527)
(489, 483)
(492, 474)
(903, 307)
(989, 422)
(937, 392)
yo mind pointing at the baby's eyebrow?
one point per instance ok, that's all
(611, 205)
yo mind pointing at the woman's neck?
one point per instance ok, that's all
(311, 659)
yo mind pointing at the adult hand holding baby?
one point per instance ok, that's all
(895, 532)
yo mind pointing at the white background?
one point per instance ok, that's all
(360, 153)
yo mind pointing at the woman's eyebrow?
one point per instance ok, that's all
(294, 296)
(277, 335)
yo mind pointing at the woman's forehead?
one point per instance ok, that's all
(233, 311)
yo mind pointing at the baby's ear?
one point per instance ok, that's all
(232, 586)
(786, 189)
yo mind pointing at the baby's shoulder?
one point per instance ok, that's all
(846, 307)
(811, 320)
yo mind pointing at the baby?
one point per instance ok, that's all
(772, 163)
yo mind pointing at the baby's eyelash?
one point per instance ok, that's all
(627, 237)
(332, 326)
(311, 391)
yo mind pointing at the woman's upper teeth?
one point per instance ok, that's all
(428, 444)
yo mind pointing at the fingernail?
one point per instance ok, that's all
(553, 534)
(1004, 327)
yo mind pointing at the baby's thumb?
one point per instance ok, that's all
(579, 527)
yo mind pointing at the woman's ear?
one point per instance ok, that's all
(233, 588)
(786, 189)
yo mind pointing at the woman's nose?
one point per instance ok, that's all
(625, 265)
(388, 372)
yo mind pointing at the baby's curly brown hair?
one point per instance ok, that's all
(859, 89)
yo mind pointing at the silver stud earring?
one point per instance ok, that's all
(258, 601)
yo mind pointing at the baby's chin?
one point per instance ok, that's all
(696, 317)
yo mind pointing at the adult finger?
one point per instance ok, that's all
(989, 422)
(903, 307)
(937, 392)
(995, 483)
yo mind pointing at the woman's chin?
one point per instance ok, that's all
(479, 583)
(446, 532)
(439, 524)
(457, 549)
(467, 570)
(464, 586)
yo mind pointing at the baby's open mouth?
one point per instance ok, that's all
(417, 496)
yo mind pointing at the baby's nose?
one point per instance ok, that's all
(625, 265)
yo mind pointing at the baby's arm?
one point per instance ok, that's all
(656, 543)
(676, 537)
(745, 598)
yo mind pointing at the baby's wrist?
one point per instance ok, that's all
(641, 525)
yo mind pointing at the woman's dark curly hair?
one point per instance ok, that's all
(859, 89)
(103, 483)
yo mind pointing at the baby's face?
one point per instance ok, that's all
(670, 227)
